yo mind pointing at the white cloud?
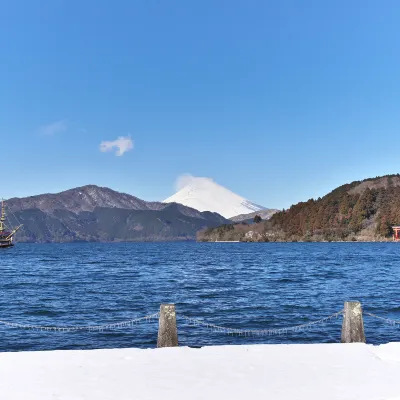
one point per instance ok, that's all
(186, 179)
(53, 128)
(122, 145)
(183, 180)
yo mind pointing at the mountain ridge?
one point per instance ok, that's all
(264, 214)
(83, 198)
(93, 213)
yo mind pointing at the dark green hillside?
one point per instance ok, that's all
(92, 213)
(112, 224)
(363, 210)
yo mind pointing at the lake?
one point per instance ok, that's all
(238, 285)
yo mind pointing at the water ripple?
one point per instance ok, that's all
(247, 286)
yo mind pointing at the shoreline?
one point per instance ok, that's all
(297, 241)
(209, 241)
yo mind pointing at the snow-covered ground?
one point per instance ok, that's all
(276, 372)
(204, 194)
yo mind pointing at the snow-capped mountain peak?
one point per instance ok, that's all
(204, 194)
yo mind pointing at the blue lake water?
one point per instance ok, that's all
(247, 286)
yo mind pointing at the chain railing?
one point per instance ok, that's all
(388, 321)
(260, 332)
(88, 328)
(352, 327)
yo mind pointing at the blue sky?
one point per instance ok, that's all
(279, 101)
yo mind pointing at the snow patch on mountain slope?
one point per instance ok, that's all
(204, 194)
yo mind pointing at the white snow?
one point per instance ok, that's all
(276, 372)
(204, 194)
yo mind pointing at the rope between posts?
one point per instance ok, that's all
(386, 320)
(260, 332)
(89, 328)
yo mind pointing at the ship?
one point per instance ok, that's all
(6, 234)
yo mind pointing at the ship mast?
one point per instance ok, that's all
(3, 217)
(3, 225)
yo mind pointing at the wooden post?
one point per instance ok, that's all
(167, 331)
(353, 325)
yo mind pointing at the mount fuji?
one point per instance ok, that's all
(203, 194)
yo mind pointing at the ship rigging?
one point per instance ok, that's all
(6, 233)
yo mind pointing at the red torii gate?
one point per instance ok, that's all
(396, 233)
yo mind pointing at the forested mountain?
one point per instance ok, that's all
(92, 213)
(363, 211)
